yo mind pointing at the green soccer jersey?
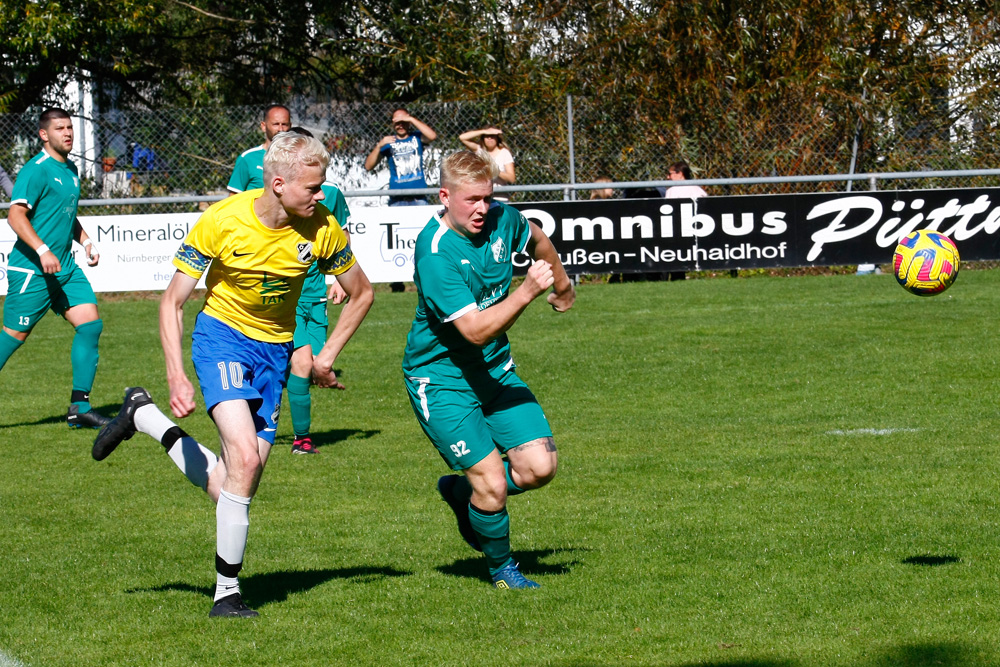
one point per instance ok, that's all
(50, 189)
(314, 288)
(248, 174)
(454, 275)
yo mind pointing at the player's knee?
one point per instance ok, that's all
(17, 335)
(490, 494)
(244, 461)
(302, 362)
(539, 473)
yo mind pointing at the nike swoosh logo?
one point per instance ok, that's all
(240, 254)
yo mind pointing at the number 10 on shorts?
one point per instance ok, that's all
(234, 375)
(460, 448)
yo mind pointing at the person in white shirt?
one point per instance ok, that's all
(680, 171)
(490, 141)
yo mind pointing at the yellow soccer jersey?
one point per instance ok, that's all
(255, 273)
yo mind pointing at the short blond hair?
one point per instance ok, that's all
(468, 167)
(289, 151)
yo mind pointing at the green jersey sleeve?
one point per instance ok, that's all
(445, 291)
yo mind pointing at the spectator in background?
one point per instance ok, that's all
(404, 150)
(489, 140)
(680, 171)
(602, 193)
(5, 183)
(248, 174)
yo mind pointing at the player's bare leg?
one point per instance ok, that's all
(244, 456)
(533, 464)
(491, 523)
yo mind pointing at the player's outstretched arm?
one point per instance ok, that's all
(360, 297)
(17, 218)
(479, 327)
(171, 333)
(540, 247)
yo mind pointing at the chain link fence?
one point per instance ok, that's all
(191, 152)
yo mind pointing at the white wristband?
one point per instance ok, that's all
(87, 242)
(42, 249)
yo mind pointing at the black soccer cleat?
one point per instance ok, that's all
(461, 510)
(92, 419)
(231, 606)
(122, 427)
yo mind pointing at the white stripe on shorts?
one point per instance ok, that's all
(422, 393)
(26, 280)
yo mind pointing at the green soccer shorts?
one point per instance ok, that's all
(466, 423)
(30, 295)
(311, 322)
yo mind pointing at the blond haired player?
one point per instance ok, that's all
(458, 370)
(257, 247)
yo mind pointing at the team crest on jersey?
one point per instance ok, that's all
(499, 250)
(305, 252)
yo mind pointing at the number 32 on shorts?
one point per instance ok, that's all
(460, 448)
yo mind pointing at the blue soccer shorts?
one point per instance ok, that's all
(466, 423)
(232, 366)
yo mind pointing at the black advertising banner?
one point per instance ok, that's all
(762, 231)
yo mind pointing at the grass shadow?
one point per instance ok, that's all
(748, 662)
(269, 587)
(931, 560)
(108, 410)
(529, 561)
(946, 654)
(331, 437)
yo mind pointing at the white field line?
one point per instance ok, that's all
(7, 661)
(873, 431)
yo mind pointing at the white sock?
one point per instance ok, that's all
(149, 420)
(194, 460)
(232, 521)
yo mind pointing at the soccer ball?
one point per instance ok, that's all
(926, 262)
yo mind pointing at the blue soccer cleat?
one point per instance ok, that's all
(511, 578)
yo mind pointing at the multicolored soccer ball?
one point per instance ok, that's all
(926, 262)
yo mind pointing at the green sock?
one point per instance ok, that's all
(83, 355)
(299, 404)
(512, 488)
(493, 529)
(8, 346)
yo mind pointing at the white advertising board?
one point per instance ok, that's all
(136, 250)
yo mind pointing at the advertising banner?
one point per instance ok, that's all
(611, 236)
(764, 231)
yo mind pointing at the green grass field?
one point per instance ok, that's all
(757, 472)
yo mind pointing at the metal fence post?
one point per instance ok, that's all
(572, 155)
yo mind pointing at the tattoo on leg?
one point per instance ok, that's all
(548, 443)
